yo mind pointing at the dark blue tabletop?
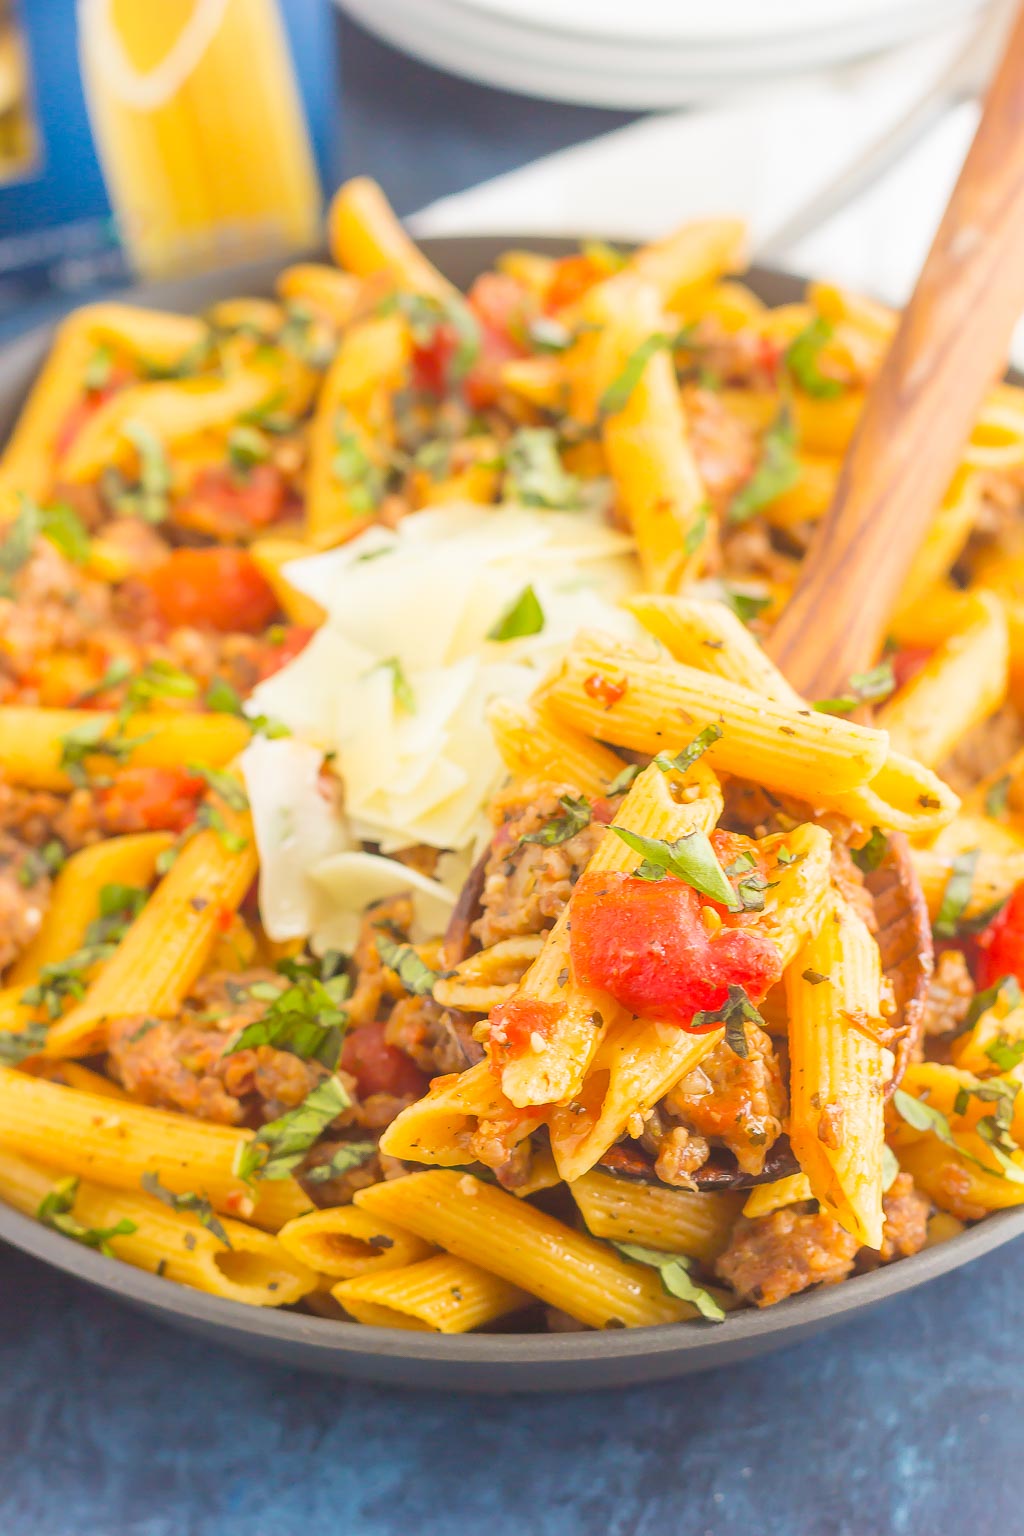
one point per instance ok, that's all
(909, 1422)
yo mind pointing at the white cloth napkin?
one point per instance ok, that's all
(762, 157)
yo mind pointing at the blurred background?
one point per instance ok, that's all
(154, 139)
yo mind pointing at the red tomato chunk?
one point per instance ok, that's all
(212, 588)
(1001, 945)
(379, 1067)
(645, 942)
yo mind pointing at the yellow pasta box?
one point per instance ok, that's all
(160, 135)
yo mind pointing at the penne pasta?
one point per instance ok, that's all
(656, 1216)
(344, 1242)
(838, 1070)
(440, 1295)
(525, 1247)
(237, 1262)
(36, 743)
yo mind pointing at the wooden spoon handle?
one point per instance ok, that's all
(950, 345)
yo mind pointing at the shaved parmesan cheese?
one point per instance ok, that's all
(398, 682)
(297, 827)
(351, 882)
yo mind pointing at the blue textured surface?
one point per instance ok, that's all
(903, 1423)
(906, 1422)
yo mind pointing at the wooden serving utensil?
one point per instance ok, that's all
(950, 345)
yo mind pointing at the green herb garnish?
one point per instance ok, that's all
(575, 817)
(524, 616)
(865, 688)
(675, 1277)
(688, 755)
(534, 474)
(278, 1147)
(351, 1154)
(691, 858)
(414, 974)
(802, 356)
(734, 1013)
(777, 470)
(957, 893)
(56, 1209)
(197, 1205)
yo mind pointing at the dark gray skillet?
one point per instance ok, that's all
(476, 1362)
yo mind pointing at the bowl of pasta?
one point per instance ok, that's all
(439, 946)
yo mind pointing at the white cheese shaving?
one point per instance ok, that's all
(397, 683)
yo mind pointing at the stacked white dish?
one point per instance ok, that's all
(646, 53)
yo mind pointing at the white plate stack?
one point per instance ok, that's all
(643, 54)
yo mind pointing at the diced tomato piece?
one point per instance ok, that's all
(213, 589)
(84, 410)
(607, 690)
(513, 1025)
(226, 504)
(907, 663)
(500, 305)
(769, 354)
(150, 800)
(273, 655)
(1000, 946)
(572, 277)
(377, 1066)
(646, 943)
(431, 364)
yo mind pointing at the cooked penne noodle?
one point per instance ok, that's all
(344, 1242)
(765, 1198)
(34, 742)
(366, 238)
(656, 1216)
(439, 1295)
(157, 962)
(960, 685)
(838, 1071)
(115, 1143)
(524, 1246)
(242, 1264)
(554, 1065)
(75, 903)
(534, 743)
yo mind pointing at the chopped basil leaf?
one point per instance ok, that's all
(150, 499)
(576, 816)
(525, 616)
(547, 335)
(957, 893)
(1005, 1053)
(697, 531)
(401, 688)
(623, 780)
(427, 315)
(616, 397)
(777, 471)
(890, 1168)
(997, 798)
(802, 361)
(1007, 989)
(353, 467)
(160, 680)
(90, 739)
(305, 1018)
(866, 688)
(16, 543)
(736, 1011)
(675, 1277)
(745, 605)
(691, 858)
(870, 855)
(925, 1117)
(55, 1211)
(197, 1205)
(222, 698)
(688, 755)
(98, 370)
(351, 1154)
(16, 1045)
(750, 891)
(416, 977)
(278, 1147)
(813, 978)
(62, 525)
(534, 474)
(247, 447)
(223, 784)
